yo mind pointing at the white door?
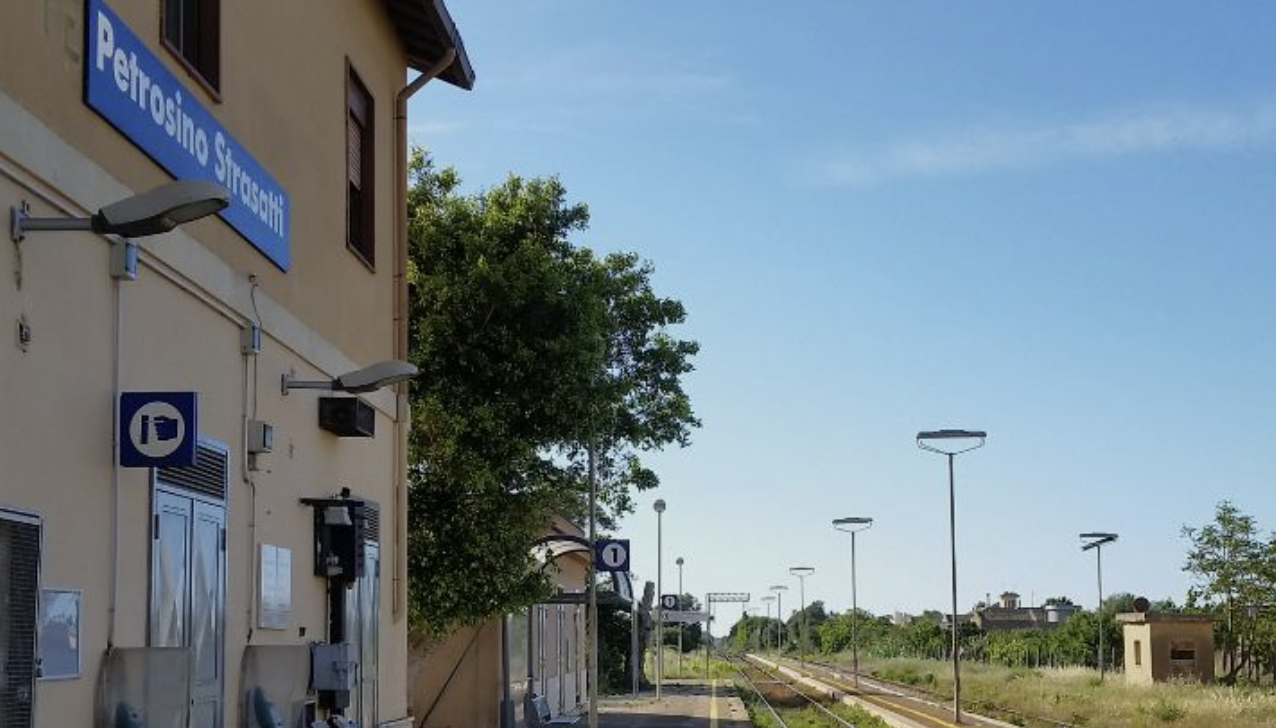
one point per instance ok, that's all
(363, 604)
(188, 594)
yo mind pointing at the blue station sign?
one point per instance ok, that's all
(132, 89)
(158, 429)
(611, 554)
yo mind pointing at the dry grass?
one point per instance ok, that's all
(1076, 696)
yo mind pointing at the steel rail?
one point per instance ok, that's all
(792, 686)
(906, 688)
(749, 681)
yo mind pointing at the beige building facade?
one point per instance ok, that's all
(1162, 647)
(480, 675)
(192, 596)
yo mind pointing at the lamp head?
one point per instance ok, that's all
(659, 505)
(801, 571)
(369, 379)
(779, 588)
(161, 209)
(679, 561)
(1097, 539)
(851, 524)
(925, 437)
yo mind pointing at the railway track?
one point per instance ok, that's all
(879, 690)
(774, 689)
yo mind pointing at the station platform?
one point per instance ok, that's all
(683, 704)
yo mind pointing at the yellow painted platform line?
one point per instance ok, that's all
(888, 704)
(713, 703)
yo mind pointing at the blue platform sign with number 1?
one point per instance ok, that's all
(611, 555)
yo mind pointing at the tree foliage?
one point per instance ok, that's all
(529, 348)
(1234, 571)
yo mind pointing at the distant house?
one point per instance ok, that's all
(1009, 616)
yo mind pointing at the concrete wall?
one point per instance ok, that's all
(1156, 641)
(456, 681)
(179, 323)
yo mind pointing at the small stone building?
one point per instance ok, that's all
(1161, 647)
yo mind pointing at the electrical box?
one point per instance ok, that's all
(333, 667)
(340, 537)
(124, 260)
(347, 417)
(250, 340)
(261, 437)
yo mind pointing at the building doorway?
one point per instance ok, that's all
(188, 577)
(19, 600)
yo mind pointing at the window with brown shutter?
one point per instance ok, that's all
(360, 151)
(192, 30)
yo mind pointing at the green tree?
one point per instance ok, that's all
(529, 347)
(1231, 568)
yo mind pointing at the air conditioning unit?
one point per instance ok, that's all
(347, 417)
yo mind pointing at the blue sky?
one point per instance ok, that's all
(1052, 221)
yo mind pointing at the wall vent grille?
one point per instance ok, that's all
(208, 476)
(22, 544)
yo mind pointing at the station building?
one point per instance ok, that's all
(190, 537)
(488, 674)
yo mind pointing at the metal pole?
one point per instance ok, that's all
(680, 625)
(708, 633)
(660, 610)
(635, 654)
(593, 591)
(1098, 554)
(784, 626)
(507, 707)
(855, 618)
(952, 533)
(805, 621)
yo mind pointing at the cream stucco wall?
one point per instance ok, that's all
(180, 321)
(1155, 638)
(456, 681)
(288, 110)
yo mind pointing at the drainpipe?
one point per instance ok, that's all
(402, 419)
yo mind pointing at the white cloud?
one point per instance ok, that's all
(987, 149)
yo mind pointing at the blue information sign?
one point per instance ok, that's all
(611, 554)
(158, 429)
(129, 87)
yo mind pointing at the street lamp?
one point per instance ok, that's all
(923, 441)
(779, 590)
(1097, 541)
(149, 213)
(853, 525)
(659, 507)
(801, 572)
(768, 599)
(680, 624)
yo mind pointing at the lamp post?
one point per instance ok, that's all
(1097, 541)
(768, 599)
(801, 572)
(853, 525)
(781, 637)
(679, 562)
(924, 440)
(591, 635)
(659, 507)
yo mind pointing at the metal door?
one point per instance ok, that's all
(188, 594)
(19, 607)
(207, 600)
(363, 604)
